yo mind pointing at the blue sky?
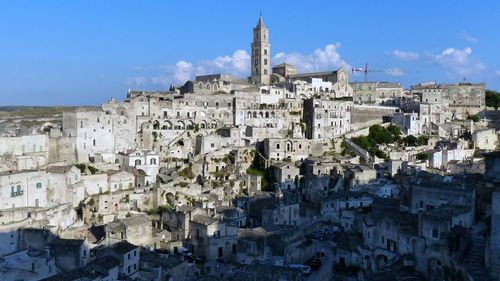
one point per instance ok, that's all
(85, 52)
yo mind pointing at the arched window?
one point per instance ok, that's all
(200, 86)
(152, 161)
(208, 86)
(137, 162)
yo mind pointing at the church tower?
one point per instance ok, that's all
(261, 54)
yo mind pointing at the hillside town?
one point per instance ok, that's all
(278, 176)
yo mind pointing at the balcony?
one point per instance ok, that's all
(16, 193)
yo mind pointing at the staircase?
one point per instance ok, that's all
(358, 150)
(474, 259)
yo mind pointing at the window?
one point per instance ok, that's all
(265, 61)
(38, 185)
(137, 162)
(221, 252)
(265, 51)
(277, 146)
(435, 233)
(153, 161)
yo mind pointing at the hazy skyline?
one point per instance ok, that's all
(84, 53)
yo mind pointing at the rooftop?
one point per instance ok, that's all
(202, 219)
(123, 247)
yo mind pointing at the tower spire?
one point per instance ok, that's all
(261, 54)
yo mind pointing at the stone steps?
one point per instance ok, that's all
(474, 259)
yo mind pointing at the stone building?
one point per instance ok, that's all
(431, 191)
(212, 238)
(137, 230)
(378, 93)
(24, 152)
(326, 118)
(23, 189)
(147, 161)
(464, 99)
(486, 139)
(93, 133)
(409, 123)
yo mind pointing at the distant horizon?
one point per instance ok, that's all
(85, 53)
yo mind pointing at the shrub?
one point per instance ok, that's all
(93, 170)
(423, 156)
(474, 118)
(187, 173)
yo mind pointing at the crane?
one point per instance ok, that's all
(365, 70)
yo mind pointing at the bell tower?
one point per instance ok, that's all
(261, 54)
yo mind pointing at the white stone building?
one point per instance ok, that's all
(148, 161)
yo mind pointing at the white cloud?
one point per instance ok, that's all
(469, 38)
(321, 59)
(405, 55)
(458, 61)
(394, 71)
(237, 64)
(137, 81)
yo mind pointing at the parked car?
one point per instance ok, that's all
(306, 270)
(318, 235)
(314, 263)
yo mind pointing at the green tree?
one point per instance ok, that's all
(380, 135)
(410, 140)
(474, 118)
(362, 141)
(492, 99)
(423, 140)
(394, 130)
(422, 156)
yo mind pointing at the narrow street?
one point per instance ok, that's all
(324, 273)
